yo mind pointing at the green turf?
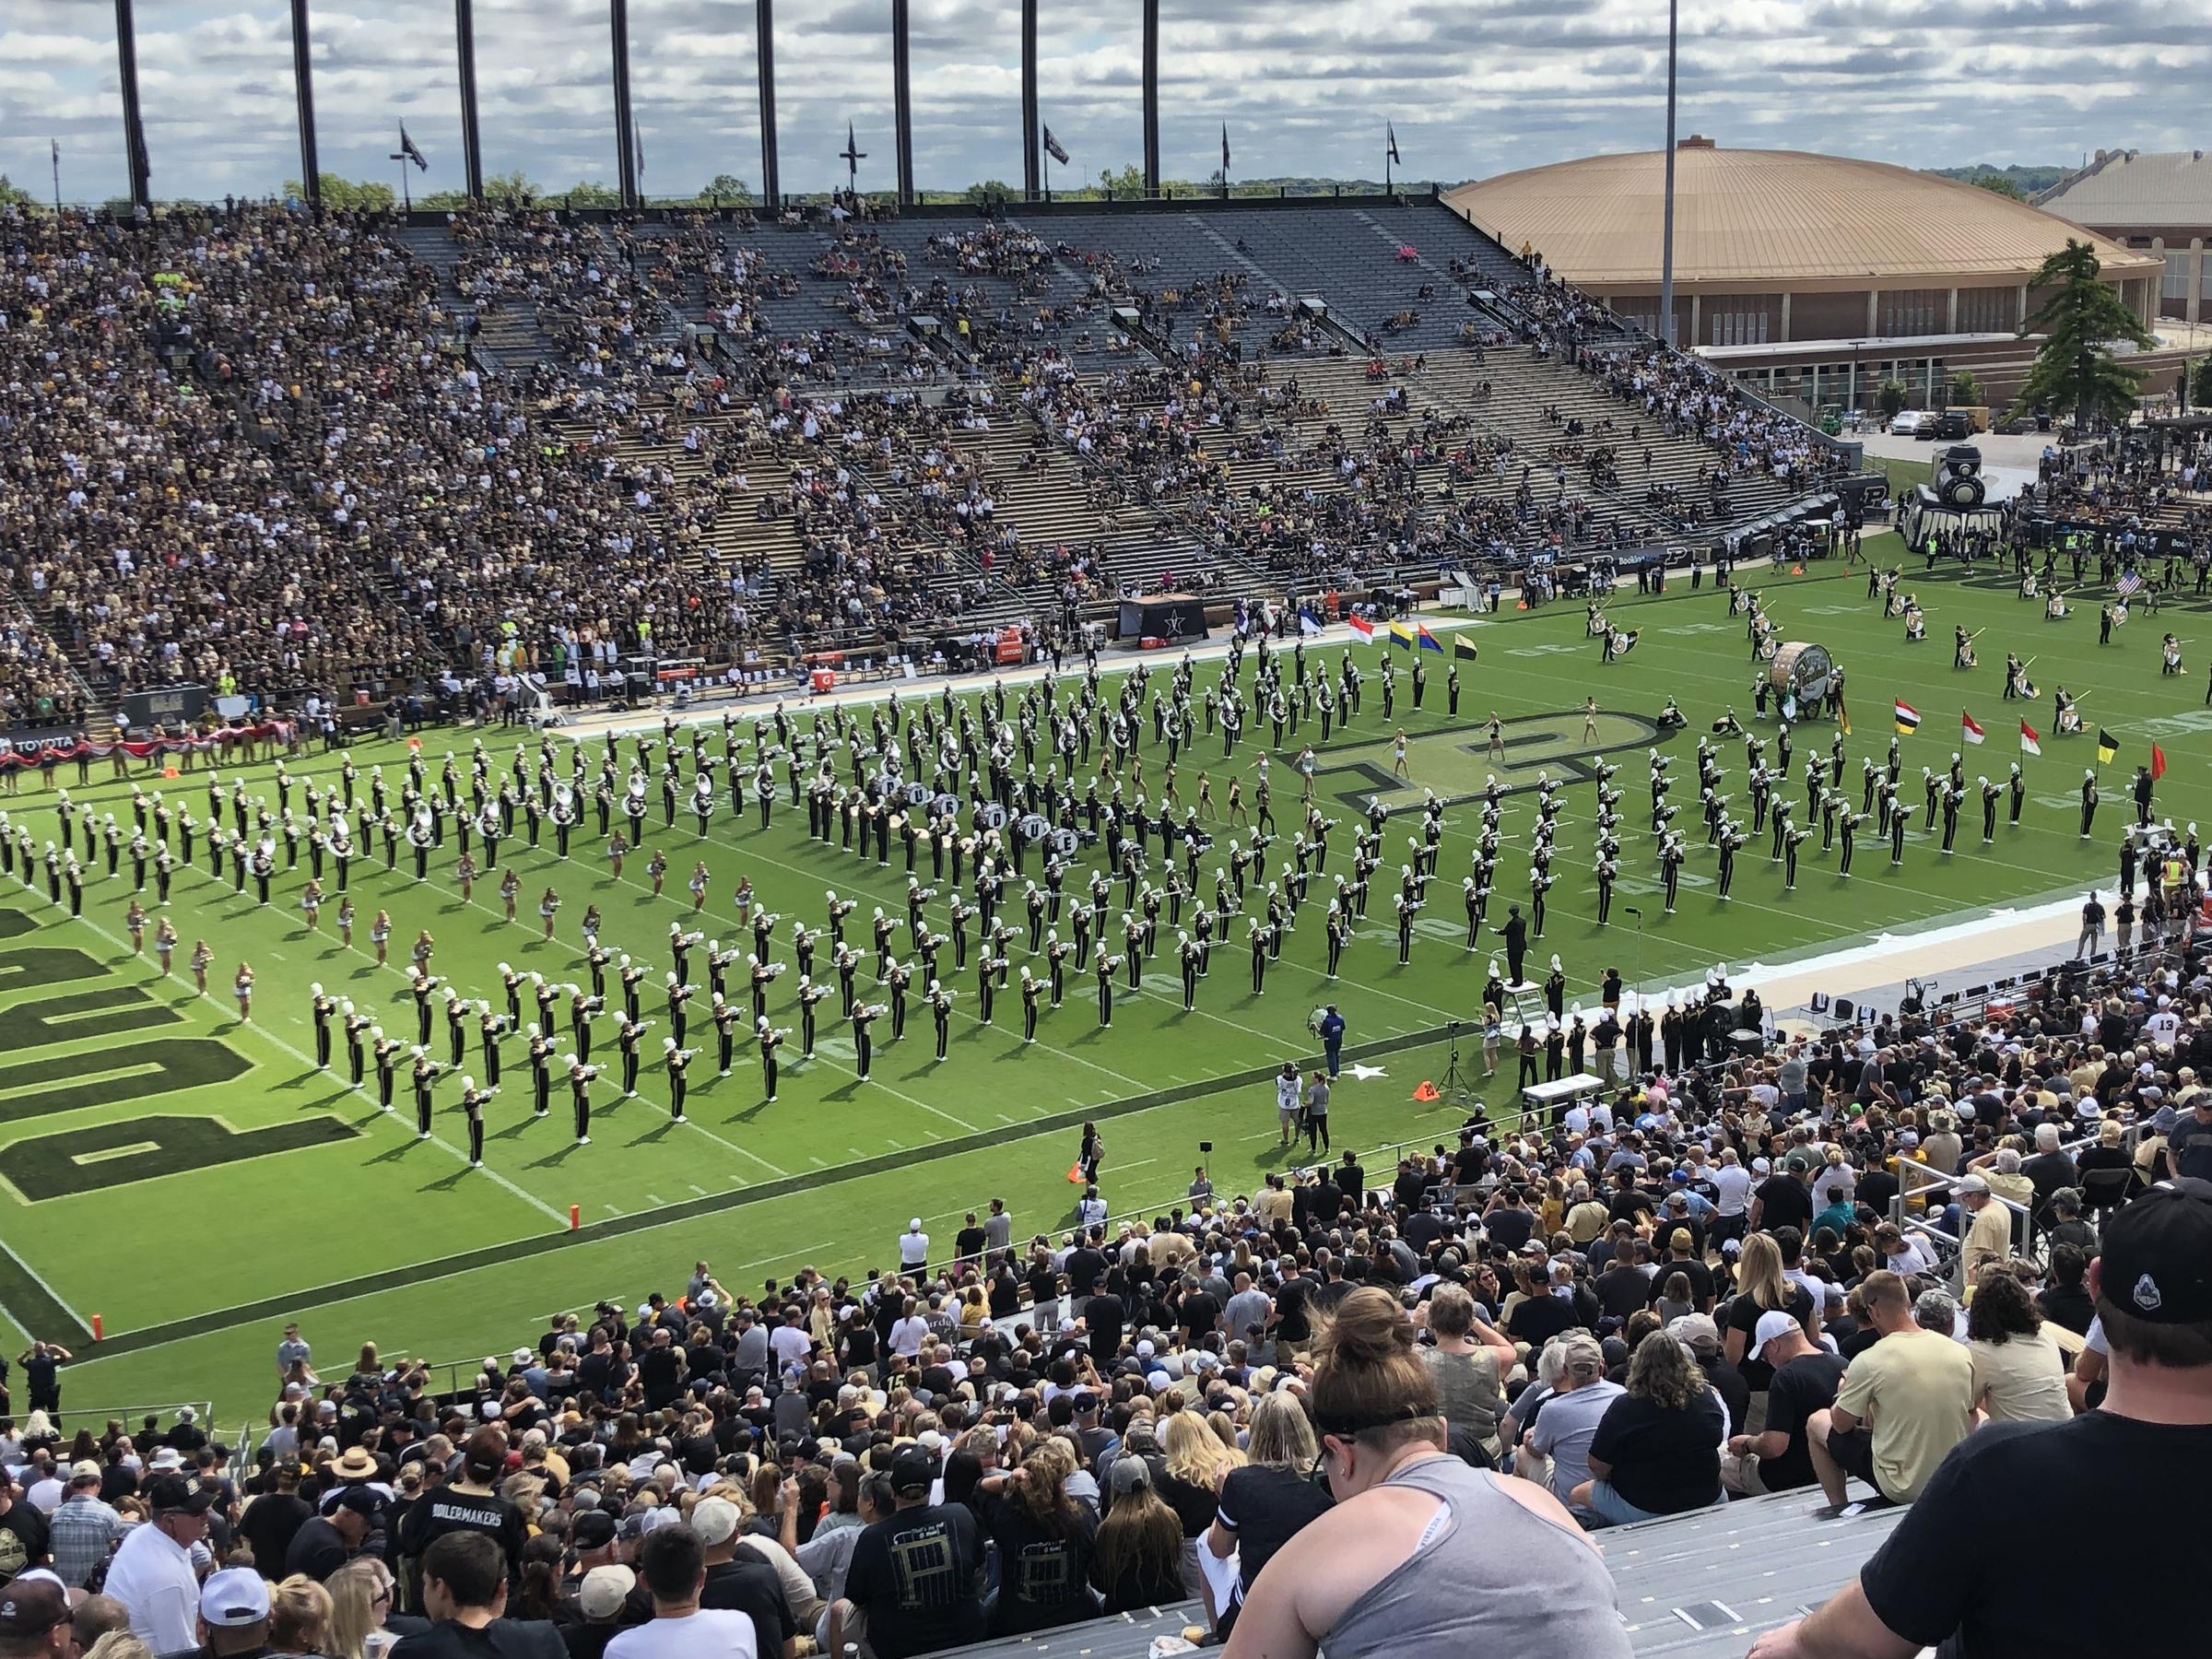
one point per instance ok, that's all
(123, 1195)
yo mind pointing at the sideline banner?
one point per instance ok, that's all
(22, 752)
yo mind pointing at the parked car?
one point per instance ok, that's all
(1950, 426)
(1911, 423)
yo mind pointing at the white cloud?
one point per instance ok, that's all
(1472, 88)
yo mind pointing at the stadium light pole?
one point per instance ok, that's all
(625, 136)
(303, 87)
(465, 53)
(1151, 97)
(134, 124)
(764, 18)
(902, 108)
(1666, 233)
(1032, 157)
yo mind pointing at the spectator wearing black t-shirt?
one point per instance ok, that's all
(270, 1520)
(1804, 1381)
(1047, 1543)
(1625, 1286)
(917, 1574)
(742, 1582)
(1783, 1199)
(1656, 1450)
(465, 1593)
(1262, 1505)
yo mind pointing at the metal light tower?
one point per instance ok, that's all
(1667, 234)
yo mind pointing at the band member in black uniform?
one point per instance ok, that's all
(1731, 839)
(457, 1027)
(1990, 793)
(864, 1016)
(384, 1050)
(1102, 967)
(580, 1089)
(1033, 988)
(1790, 844)
(771, 1039)
(1056, 952)
(725, 1015)
(627, 1035)
(676, 1062)
(1897, 815)
(1951, 799)
(356, 1024)
(471, 1103)
(323, 1006)
(940, 1012)
(424, 1076)
(2089, 800)
(541, 1072)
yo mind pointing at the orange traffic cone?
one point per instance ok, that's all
(1426, 1092)
(1075, 1175)
(1797, 569)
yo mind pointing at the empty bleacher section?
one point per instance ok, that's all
(832, 432)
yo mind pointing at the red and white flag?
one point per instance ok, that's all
(2030, 744)
(1360, 626)
(1968, 729)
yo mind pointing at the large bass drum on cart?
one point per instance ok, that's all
(1803, 670)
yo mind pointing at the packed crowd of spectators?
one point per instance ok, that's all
(1905, 1264)
(275, 454)
(1681, 397)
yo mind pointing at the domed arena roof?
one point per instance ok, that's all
(1780, 218)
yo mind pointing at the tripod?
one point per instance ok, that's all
(1455, 1084)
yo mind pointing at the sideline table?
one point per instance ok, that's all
(1547, 1103)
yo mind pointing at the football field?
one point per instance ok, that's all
(192, 1180)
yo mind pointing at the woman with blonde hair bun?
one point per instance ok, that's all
(1361, 1579)
(298, 1617)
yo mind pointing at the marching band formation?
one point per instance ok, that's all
(1042, 836)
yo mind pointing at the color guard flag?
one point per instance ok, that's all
(2031, 743)
(1463, 647)
(1308, 623)
(2158, 763)
(1427, 640)
(1401, 635)
(1360, 626)
(1970, 732)
(2106, 747)
(1907, 717)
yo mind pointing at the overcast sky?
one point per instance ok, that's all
(1475, 86)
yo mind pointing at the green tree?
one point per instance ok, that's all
(2200, 384)
(1890, 397)
(584, 193)
(1122, 182)
(501, 190)
(349, 195)
(727, 189)
(13, 196)
(1963, 388)
(1997, 184)
(2075, 367)
(985, 189)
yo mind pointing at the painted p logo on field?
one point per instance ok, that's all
(1459, 765)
